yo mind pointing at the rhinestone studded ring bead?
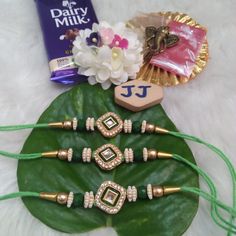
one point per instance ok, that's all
(143, 126)
(149, 191)
(88, 199)
(90, 122)
(87, 155)
(70, 199)
(127, 126)
(70, 154)
(145, 154)
(132, 193)
(129, 155)
(74, 124)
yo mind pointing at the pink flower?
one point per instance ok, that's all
(119, 42)
(107, 35)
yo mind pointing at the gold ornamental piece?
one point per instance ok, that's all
(156, 75)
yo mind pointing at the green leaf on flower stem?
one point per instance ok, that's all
(169, 215)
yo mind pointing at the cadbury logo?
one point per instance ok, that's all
(70, 16)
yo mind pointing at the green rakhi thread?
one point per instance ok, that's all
(19, 194)
(214, 211)
(21, 127)
(21, 156)
(88, 200)
(151, 154)
(110, 125)
(221, 155)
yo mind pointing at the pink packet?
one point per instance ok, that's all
(180, 59)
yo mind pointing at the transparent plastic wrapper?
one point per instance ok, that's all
(180, 59)
(61, 21)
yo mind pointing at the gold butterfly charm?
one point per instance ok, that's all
(157, 40)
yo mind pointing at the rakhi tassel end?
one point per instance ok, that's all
(67, 125)
(63, 154)
(160, 191)
(60, 198)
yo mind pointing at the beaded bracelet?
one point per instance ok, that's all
(107, 157)
(110, 196)
(110, 125)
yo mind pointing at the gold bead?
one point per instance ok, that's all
(152, 154)
(62, 198)
(150, 128)
(62, 155)
(157, 191)
(67, 124)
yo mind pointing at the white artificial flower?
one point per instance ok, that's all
(108, 54)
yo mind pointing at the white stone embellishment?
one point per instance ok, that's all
(70, 199)
(145, 154)
(91, 199)
(135, 193)
(110, 197)
(129, 155)
(90, 122)
(70, 154)
(143, 127)
(127, 126)
(86, 199)
(149, 191)
(87, 155)
(132, 194)
(74, 123)
(109, 125)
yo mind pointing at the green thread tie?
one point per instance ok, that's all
(222, 155)
(214, 210)
(19, 194)
(21, 156)
(20, 127)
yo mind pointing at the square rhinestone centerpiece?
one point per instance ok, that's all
(108, 156)
(109, 124)
(110, 197)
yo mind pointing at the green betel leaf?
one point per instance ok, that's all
(170, 215)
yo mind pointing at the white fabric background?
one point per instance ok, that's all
(205, 107)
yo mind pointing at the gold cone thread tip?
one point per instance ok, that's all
(60, 198)
(164, 155)
(170, 190)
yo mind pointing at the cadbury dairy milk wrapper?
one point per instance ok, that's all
(61, 21)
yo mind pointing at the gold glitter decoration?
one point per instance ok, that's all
(155, 75)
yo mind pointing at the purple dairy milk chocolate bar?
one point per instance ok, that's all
(61, 21)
